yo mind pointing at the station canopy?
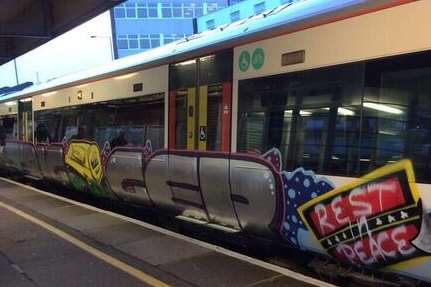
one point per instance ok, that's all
(27, 24)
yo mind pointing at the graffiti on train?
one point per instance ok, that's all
(85, 162)
(84, 158)
(373, 220)
(84, 165)
(299, 187)
(376, 220)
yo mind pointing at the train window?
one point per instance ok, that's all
(215, 69)
(312, 117)
(8, 126)
(347, 119)
(182, 75)
(131, 122)
(397, 113)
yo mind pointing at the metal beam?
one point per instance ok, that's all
(25, 36)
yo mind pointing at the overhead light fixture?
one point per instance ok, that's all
(49, 94)
(13, 103)
(125, 76)
(345, 112)
(342, 111)
(302, 113)
(383, 108)
(203, 59)
(25, 100)
(186, 63)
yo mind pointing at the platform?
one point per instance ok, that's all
(47, 240)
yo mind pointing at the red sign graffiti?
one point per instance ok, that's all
(366, 200)
(371, 222)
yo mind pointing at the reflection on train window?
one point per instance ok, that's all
(130, 122)
(397, 113)
(8, 127)
(346, 120)
(312, 117)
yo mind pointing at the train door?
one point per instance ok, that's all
(25, 120)
(200, 103)
(199, 120)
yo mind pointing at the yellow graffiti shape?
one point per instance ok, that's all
(84, 158)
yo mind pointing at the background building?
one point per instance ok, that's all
(236, 11)
(139, 25)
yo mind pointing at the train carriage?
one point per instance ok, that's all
(308, 125)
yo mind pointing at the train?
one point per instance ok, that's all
(308, 125)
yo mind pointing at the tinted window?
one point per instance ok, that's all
(312, 117)
(397, 113)
(345, 120)
(122, 122)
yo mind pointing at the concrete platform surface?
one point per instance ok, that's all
(46, 240)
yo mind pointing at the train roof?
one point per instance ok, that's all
(287, 18)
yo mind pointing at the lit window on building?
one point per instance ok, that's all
(199, 10)
(188, 11)
(122, 42)
(142, 11)
(130, 10)
(119, 11)
(152, 10)
(259, 8)
(155, 40)
(133, 42)
(144, 42)
(166, 10)
(234, 16)
(177, 10)
(210, 24)
(211, 7)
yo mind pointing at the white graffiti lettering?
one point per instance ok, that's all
(403, 245)
(336, 207)
(323, 218)
(360, 252)
(347, 251)
(368, 250)
(362, 208)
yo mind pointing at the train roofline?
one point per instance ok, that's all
(285, 19)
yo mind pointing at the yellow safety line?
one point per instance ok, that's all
(138, 274)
